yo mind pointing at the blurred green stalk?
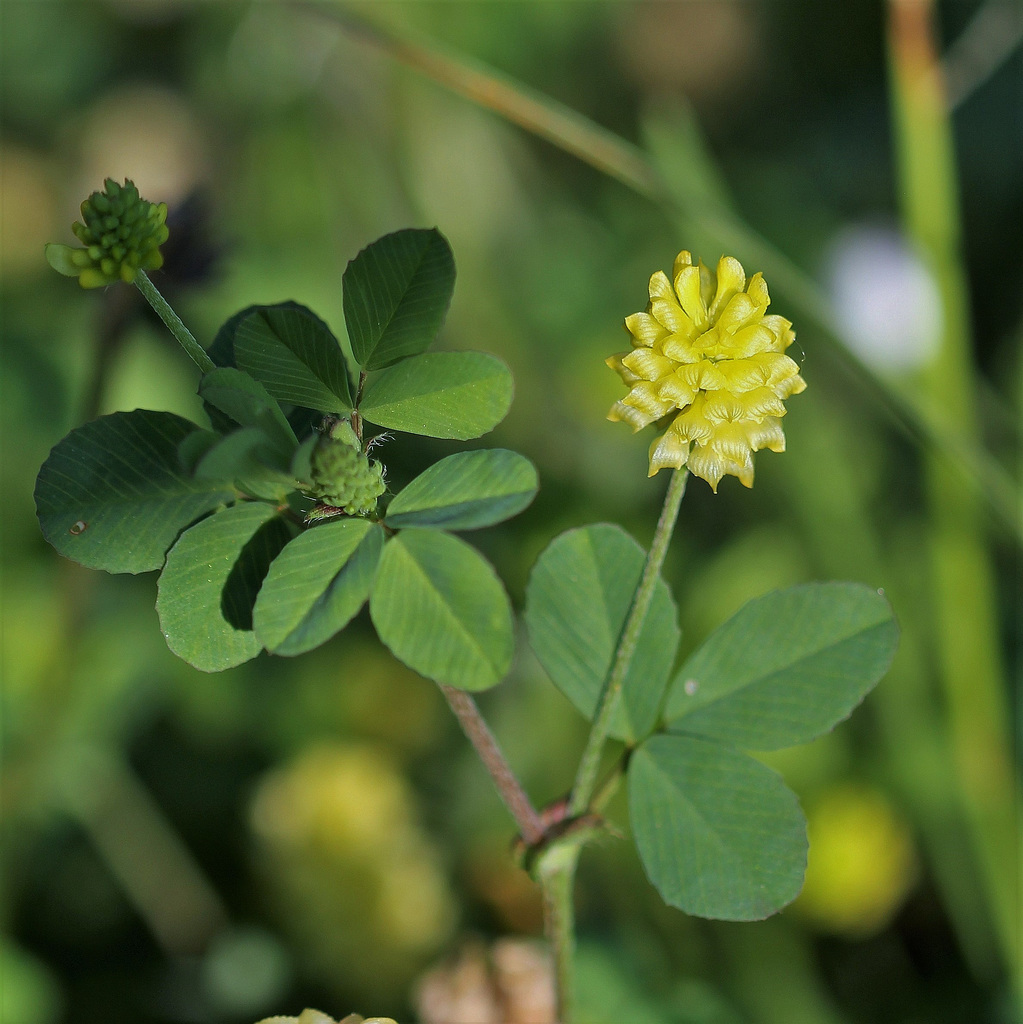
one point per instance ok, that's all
(155, 869)
(963, 585)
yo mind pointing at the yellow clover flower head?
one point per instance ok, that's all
(708, 364)
(121, 234)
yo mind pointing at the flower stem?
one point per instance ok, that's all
(589, 765)
(184, 336)
(508, 786)
(556, 868)
(556, 873)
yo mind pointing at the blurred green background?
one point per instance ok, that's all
(188, 848)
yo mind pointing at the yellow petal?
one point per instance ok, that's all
(660, 286)
(616, 363)
(683, 259)
(704, 375)
(648, 365)
(676, 389)
(743, 374)
(687, 288)
(708, 285)
(644, 329)
(622, 413)
(670, 316)
(768, 434)
(757, 290)
(737, 313)
(750, 340)
(722, 406)
(640, 406)
(775, 367)
(731, 442)
(682, 348)
(669, 451)
(705, 464)
(760, 402)
(731, 278)
(781, 329)
(692, 425)
(798, 386)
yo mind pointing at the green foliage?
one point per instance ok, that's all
(459, 395)
(112, 494)
(579, 594)
(293, 354)
(317, 584)
(244, 453)
(786, 668)
(245, 401)
(209, 585)
(439, 606)
(117, 493)
(720, 835)
(396, 295)
(466, 491)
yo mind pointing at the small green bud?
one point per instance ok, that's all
(343, 477)
(121, 234)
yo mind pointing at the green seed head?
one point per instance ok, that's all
(121, 234)
(343, 476)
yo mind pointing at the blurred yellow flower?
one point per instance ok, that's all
(708, 364)
(358, 881)
(316, 1017)
(862, 861)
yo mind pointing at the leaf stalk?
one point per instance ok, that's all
(184, 336)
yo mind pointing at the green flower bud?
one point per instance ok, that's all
(121, 234)
(343, 477)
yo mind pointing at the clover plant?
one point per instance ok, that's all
(273, 525)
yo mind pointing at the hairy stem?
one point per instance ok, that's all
(556, 873)
(183, 335)
(508, 785)
(556, 868)
(589, 765)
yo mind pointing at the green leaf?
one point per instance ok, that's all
(243, 453)
(246, 402)
(317, 584)
(439, 606)
(194, 446)
(210, 583)
(441, 394)
(720, 835)
(113, 494)
(294, 355)
(60, 258)
(786, 667)
(466, 491)
(578, 597)
(221, 351)
(396, 295)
